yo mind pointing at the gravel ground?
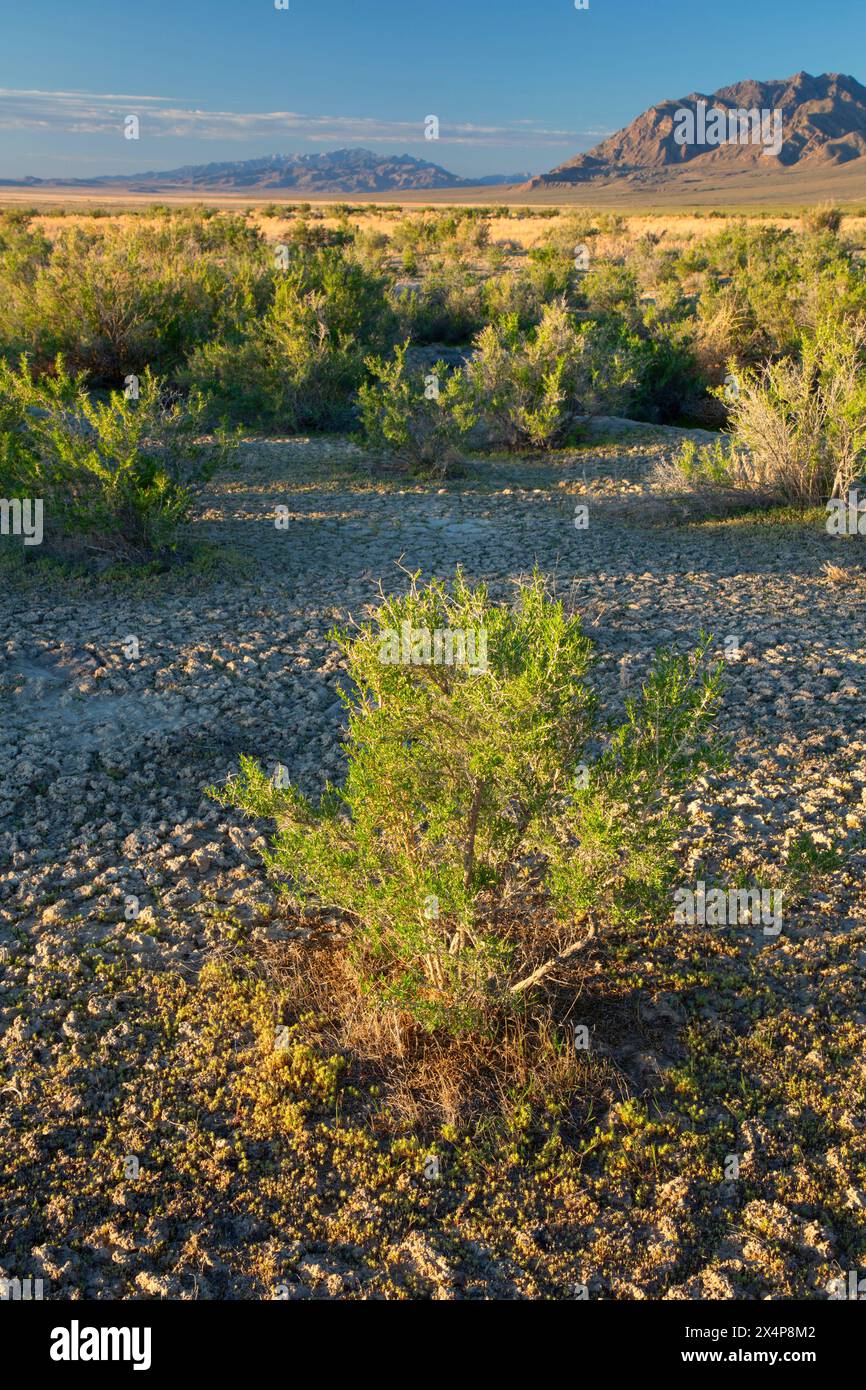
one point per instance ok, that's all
(123, 700)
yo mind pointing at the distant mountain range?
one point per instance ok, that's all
(341, 171)
(800, 133)
(806, 121)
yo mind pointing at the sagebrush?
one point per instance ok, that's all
(489, 816)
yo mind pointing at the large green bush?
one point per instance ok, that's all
(300, 365)
(123, 298)
(487, 817)
(116, 477)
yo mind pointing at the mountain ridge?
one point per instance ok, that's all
(350, 170)
(822, 122)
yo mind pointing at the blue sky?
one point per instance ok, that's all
(516, 84)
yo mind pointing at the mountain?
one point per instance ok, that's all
(341, 171)
(499, 180)
(814, 122)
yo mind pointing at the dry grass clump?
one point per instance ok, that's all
(822, 218)
(797, 431)
(523, 1067)
(802, 424)
(709, 480)
(843, 577)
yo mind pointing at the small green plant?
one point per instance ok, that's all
(117, 477)
(420, 416)
(714, 463)
(808, 861)
(478, 835)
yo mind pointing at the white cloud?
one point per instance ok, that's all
(86, 113)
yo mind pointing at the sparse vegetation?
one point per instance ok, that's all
(461, 847)
(117, 477)
(125, 298)
(199, 298)
(411, 1016)
(797, 427)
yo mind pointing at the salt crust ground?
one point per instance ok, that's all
(719, 1041)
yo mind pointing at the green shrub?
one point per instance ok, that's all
(797, 426)
(355, 305)
(612, 289)
(302, 363)
(667, 382)
(458, 231)
(515, 293)
(23, 251)
(767, 288)
(370, 249)
(471, 842)
(124, 298)
(117, 477)
(551, 272)
(448, 307)
(714, 463)
(307, 237)
(420, 416)
(533, 388)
